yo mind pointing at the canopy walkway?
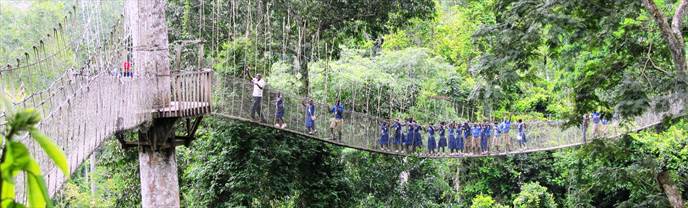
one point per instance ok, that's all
(85, 99)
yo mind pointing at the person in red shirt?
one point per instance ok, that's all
(126, 66)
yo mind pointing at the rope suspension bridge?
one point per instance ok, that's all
(75, 78)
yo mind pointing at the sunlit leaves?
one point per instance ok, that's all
(17, 158)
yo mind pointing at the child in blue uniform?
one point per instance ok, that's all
(419, 138)
(310, 116)
(431, 139)
(384, 135)
(486, 134)
(475, 139)
(595, 123)
(506, 127)
(460, 138)
(410, 135)
(521, 133)
(452, 138)
(279, 112)
(496, 140)
(467, 137)
(397, 135)
(442, 144)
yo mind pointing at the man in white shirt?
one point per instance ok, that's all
(258, 86)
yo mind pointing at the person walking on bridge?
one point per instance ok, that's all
(279, 111)
(258, 86)
(338, 120)
(310, 116)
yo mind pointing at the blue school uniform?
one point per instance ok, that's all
(338, 110)
(384, 134)
(419, 137)
(476, 131)
(279, 112)
(466, 131)
(522, 132)
(452, 139)
(485, 135)
(460, 139)
(397, 133)
(443, 139)
(310, 112)
(605, 121)
(498, 131)
(595, 117)
(410, 135)
(506, 127)
(431, 138)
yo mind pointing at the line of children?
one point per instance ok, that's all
(466, 138)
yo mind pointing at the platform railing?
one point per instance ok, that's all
(191, 93)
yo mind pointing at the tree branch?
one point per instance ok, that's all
(672, 36)
(678, 18)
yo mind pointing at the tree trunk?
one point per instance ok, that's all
(670, 189)
(671, 33)
(303, 70)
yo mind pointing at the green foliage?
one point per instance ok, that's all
(116, 179)
(239, 165)
(484, 201)
(534, 195)
(16, 158)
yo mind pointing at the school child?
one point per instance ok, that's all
(431, 139)
(486, 134)
(467, 137)
(603, 127)
(595, 123)
(279, 112)
(442, 143)
(584, 127)
(310, 116)
(418, 137)
(497, 137)
(452, 138)
(475, 137)
(521, 133)
(506, 127)
(384, 135)
(337, 121)
(460, 138)
(410, 135)
(397, 134)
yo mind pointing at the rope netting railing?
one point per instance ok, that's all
(233, 99)
(79, 85)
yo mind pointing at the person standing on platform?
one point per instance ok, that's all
(258, 86)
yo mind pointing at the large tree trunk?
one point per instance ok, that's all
(670, 189)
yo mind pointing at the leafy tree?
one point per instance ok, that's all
(16, 158)
(534, 195)
(484, 201)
